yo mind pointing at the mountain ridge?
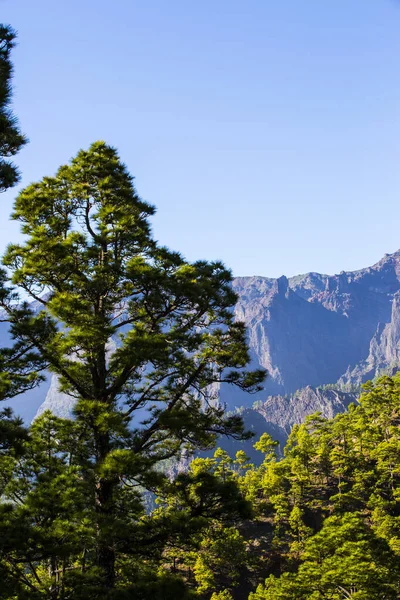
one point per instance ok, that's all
(315, 329)
(307, 331)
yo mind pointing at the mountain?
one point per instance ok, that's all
(277, 415)
(316, 329)
(307, 331)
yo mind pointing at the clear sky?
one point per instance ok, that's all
(267, 132)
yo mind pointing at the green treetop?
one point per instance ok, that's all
(137, 335)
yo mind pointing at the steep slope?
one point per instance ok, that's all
(317, 329)
(298, 341)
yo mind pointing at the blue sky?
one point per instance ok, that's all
(266, 132)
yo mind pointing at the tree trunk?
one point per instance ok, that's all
(105, 510)
(105, 546)
(54, 576)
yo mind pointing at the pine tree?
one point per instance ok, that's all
(45, 510)
(216, 554)
(136, 334)
(11, 138)
(344, 560)
(334, 501)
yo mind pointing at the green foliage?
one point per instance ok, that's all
(12, 432)
(323, 521)
(11, 139)
(344, 560)
(224, 595)
(334, 502)
(222, 556)
(141, 339)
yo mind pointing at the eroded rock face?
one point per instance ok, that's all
(315, 329)
(286, 411)
(59, 403)
(277, 415)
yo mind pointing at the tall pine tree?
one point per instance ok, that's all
(137, 335)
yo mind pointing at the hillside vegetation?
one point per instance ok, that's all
(322, 521)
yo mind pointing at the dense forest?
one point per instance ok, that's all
(124, 500)
(320, 521)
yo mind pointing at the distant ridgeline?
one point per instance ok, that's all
(307, 331)
(277, 415)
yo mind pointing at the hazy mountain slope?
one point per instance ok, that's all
(308, 330)
(277, 415)
(25, 405)
(285, 411)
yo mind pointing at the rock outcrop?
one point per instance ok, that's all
(277, 415)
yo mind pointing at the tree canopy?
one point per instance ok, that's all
(325, 512)
(334, 504)
(11, 138)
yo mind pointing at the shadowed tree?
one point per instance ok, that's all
(11, 138)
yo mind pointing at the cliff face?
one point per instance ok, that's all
(308, 330)
(277, 415)
(316, 329)
(285, 411)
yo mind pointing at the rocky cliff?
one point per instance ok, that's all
(316, 329)
(277, 415)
